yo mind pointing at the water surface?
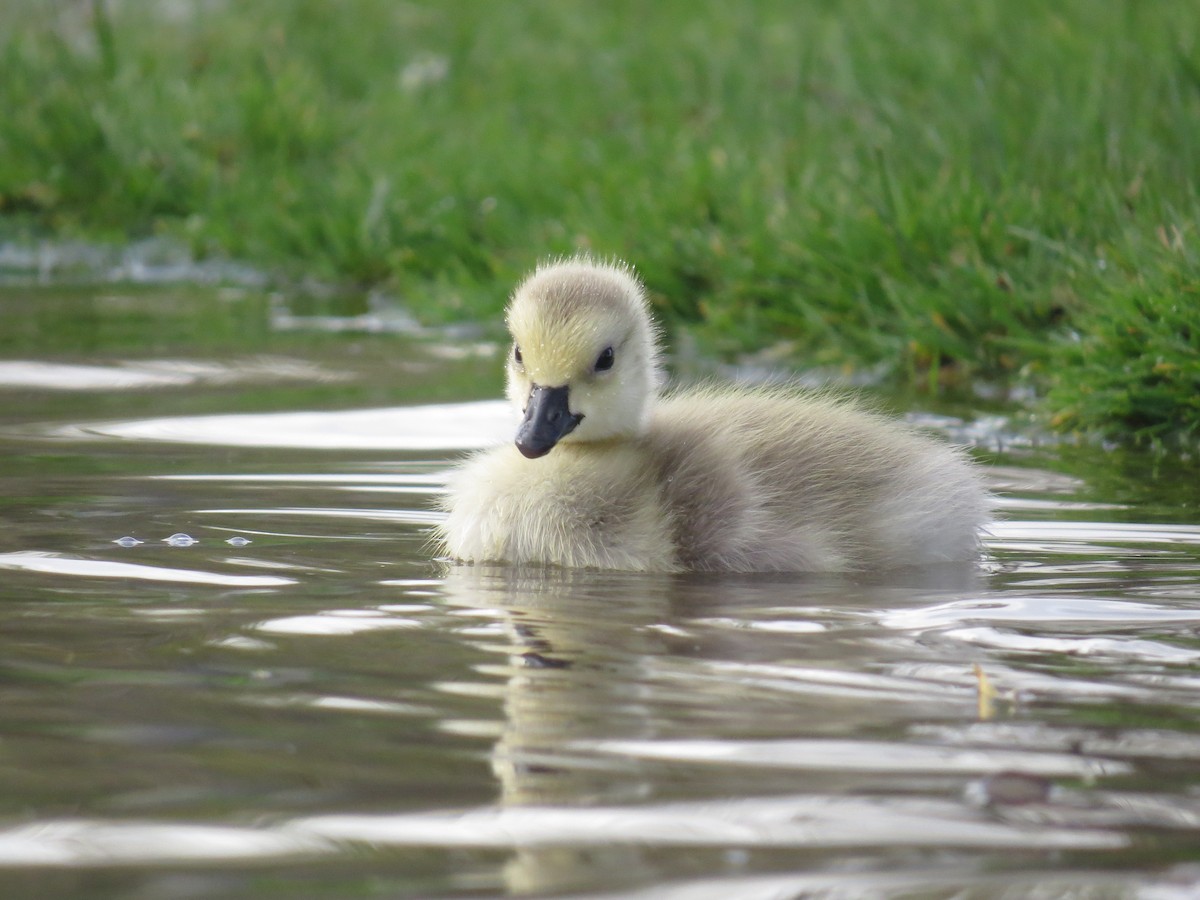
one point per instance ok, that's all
(273, 690)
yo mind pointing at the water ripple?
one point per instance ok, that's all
(1035, 609)
(804, 821)
(1134, 742)
(859, 756)
(83, 842)
(1092, 647)
(58, 564)
(456, 426)
(129, 375)
(337, 622)
(399, 516)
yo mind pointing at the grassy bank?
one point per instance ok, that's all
(954, 189)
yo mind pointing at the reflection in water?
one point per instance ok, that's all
(584, 703)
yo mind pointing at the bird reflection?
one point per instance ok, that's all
(590, 662)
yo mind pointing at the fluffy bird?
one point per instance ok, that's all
(605, 473)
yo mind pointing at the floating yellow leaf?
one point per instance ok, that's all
(987, 695)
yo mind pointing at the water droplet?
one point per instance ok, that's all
(239, 541)
(180, 539)
(128, 541)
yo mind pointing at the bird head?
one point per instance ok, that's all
(584, 364)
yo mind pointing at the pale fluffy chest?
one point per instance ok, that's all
(576, 507)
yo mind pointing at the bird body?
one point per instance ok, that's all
(606, 474)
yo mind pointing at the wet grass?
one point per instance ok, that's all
(954, 191)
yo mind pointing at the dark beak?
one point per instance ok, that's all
(548, 418)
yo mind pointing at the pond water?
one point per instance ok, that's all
(270, 689)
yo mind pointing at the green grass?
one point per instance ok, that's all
(954, 189)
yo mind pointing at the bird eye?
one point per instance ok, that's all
(605, 360)
(517, 355)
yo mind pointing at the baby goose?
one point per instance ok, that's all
(605, 474)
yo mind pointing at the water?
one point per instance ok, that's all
(272, 690)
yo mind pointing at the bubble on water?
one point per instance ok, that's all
(128, 541)
(179, 539)
(239, 541)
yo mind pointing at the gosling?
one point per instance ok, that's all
(606, 474)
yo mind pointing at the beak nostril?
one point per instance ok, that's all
(548, 418)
